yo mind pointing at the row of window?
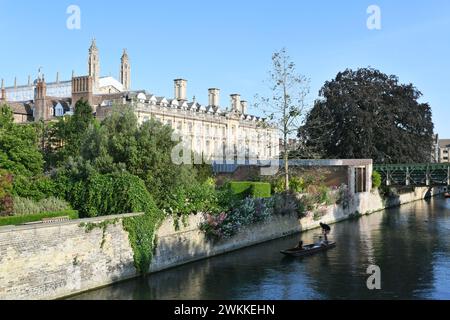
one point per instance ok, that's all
(220, 150)
(214, 130)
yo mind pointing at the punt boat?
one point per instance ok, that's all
(308, 250)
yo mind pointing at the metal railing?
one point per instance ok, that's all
(414, 174)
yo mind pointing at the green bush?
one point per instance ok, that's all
(279, 186)
(193, 199)
(260, 190)
(36, 188)
(109, 194)
(245, 189)
(119, 193)
(376, 180)
(296, 184)
(226, 200)
(240, 189)
(25, 206)
(18, 220)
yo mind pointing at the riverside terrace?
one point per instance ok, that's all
(355, 173)
(360, 172)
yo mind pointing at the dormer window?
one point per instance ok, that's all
(58, 110)
(175, 103)
(153, 100)
(163, 102)
(141, 97)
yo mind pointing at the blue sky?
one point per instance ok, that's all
(228, 44)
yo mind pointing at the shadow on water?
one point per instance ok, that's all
(410, 244)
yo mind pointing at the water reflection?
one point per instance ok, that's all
(410, 244)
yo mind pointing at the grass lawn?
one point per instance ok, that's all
(18, 220)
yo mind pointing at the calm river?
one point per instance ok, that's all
(410, 244)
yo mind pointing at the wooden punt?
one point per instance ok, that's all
(308, 250)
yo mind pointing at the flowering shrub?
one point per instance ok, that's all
(225, 225)
(6, 200)
(264, 209)
(288, 203)
(213, 223)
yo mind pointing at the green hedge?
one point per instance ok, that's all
(245, 189)
(18, 220)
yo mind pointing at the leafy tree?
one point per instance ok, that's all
(65, 136)
(19, 152)
(20, 155)
(6, 116)
(368, 114)
(286, 106)
(121, 144)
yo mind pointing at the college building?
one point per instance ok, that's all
(212, 130)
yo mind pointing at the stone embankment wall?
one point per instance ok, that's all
(190, 244)
(57, 260)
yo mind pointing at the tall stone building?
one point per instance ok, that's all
(94, 64)
(211, 129)
(125, 71)
(444, 151)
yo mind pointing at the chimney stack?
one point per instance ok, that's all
(180, 89)
(57, 77)
(244, 107)
(3, 97)
(214, 97)
(41, 112)
(41, 90)
(29, 80)
(236, 102)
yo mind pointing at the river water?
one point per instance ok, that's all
(411, 245)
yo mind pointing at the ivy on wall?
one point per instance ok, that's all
(119, 193)
(142, 235)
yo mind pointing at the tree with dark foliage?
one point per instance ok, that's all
(368, 114)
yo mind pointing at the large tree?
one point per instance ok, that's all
(368, 114)
(20, 156)
(64, 137)
(19, 152)
(286, 105)
(121, 144)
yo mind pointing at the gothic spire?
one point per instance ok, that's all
(93, 45)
